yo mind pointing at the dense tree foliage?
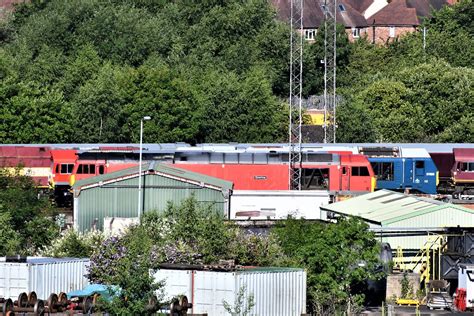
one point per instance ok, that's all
(217, 71)
(87, 71)
(403, 92)
(25, 218)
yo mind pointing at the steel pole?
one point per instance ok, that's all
(140, 172)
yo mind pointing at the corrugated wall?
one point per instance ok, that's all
(445, 217)
(120, 199)
(276, 292)
(43, 278)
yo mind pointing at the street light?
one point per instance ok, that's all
(145, 118)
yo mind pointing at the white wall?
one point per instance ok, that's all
(246, 204)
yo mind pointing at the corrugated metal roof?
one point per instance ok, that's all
(154, 167)
(387, 207)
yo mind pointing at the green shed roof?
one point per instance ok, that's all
(157, 168)
(386, 207)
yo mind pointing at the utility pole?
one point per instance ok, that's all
(330, 102)
(296, 89)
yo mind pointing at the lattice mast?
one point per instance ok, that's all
(296, 89)
(330, 101)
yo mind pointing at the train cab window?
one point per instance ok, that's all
(383, 170)
(419, 167)
(419, 164)
(344, 170)
(360, 171)
(66, 168)
(315, 179)
(101, 169)
(86, 169)
(466, 166)
(57, 168)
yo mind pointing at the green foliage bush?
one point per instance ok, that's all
(73, 244)
(25, 216)
(338, 259)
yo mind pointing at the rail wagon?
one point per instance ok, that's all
(32, 161)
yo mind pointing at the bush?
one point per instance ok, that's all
(73, 244)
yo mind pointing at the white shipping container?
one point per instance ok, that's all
(250, 204)
(42, 275)
(466, 281)
(276, 291)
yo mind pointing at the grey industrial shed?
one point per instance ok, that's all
(116, 194)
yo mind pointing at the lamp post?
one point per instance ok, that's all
(145, 118)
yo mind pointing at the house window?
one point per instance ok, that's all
(342, 8)
(310, 34)
(391, 31)
(356, 32)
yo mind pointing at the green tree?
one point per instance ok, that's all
(25, 217)
(337, 257)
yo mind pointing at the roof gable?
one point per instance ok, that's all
(155, 168)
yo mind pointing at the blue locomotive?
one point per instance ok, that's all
(403, 169)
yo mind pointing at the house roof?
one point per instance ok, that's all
(313, 15)
(396, 13)
(360, 5)
(424, 8)
(405, 12)
(155, 168)
(386, 207)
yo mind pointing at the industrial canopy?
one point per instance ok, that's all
(388, 208)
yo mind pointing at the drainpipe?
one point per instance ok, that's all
(373, 31)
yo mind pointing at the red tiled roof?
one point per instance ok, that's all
(313, 15)
(424, 8)
(359, 5)
(396, 13)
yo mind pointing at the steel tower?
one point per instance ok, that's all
(296, 89)
(330, 102)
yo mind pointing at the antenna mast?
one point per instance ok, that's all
(330, 36)
(296, 89)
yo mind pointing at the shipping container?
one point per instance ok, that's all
(42, 275)
(249, 204)
(275, 291)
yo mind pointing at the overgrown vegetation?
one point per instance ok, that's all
(217, 71)
(338, 257)
(26, 222)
